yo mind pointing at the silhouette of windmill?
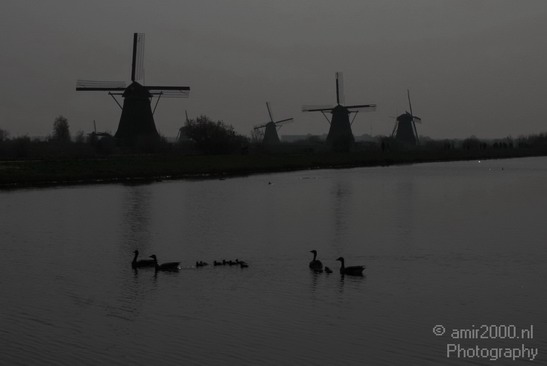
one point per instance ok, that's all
(270, 129)
(180, 135)
(405, 126)
(137, 119)
(340, 135)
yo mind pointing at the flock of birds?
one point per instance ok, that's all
(314, 265)
(317, 266)
(175, 266)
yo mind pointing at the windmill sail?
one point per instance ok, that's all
(93, 85)
(363, 107)
(317, 108)
(137, 64)
(340, 97)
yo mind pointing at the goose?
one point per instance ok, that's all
(352, 271)
(142, 263)
(169, 266)
(315, 264)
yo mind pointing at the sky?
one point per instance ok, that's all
(473, 67)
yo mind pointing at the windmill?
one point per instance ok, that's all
(270, 129)
(405, 126)
(137, 119)
(180, 135)
(340, 135)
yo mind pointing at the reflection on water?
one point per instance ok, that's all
(453, 244)
(342, 198)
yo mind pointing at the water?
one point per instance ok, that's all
(454, 244)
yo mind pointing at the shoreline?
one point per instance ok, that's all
(140, 169)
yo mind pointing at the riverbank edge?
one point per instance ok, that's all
(135, 169)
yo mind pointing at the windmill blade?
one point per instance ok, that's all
(259, 127)
(394, 128)
(151, 88)
(417, 119)
(285, 120)
(171, 94)
(92, 85)
(169, 91)
(363, 107)
(340, 98)
(415, 132)
(317, 108)
(137, 62)
(409, 102)
(269, 111)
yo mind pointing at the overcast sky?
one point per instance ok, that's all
(474, 67)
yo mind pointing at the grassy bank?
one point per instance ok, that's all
(135, 168)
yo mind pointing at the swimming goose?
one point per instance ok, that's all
(142, 263)
(169, 266)
(315, 264)
(352, 271)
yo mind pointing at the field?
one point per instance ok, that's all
(162, 166)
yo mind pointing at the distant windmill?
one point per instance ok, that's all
(137, 119)
(180, 135)
(270, 129)
(340, 135)
(405, 126)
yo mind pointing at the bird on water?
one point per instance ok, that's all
(141, 263)
(352, 270)
(166, 267)
(315, 264)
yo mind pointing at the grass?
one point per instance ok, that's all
(136, 168)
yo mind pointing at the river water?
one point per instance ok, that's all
(462, 245)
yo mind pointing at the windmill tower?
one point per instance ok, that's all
(405, 126)
(270, 129)
(340, 136)
(137, 119)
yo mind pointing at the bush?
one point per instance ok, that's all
(214, 137)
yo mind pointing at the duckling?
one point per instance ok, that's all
(243, 264)
(351, 271)
(165, 267)
(328, 270)
(217, 263)
(142, 263)
(315, 264)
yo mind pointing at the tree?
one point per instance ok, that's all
(214, 137)
(61, 130)
(3, 135)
